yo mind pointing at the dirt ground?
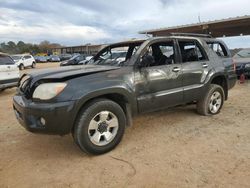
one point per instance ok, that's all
(171, 148)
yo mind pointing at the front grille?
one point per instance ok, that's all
(24, 85)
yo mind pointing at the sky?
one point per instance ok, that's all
(77, 22)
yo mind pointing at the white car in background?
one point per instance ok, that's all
(87, 58)
(23, 61)
(9, 72)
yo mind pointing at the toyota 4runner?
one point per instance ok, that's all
(95, 102)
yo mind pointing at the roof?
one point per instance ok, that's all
(172, 36)
(218, 28)
(132, 41)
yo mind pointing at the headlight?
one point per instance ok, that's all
(48, 90)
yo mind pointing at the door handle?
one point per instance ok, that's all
(176, 69)
(205, 65)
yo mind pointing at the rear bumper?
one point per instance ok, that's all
(56, 118)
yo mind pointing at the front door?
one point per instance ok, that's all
(159, 79)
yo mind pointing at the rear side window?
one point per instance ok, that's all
(191, 51)
(218, 48)
(5, 60)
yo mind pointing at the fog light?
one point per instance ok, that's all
(42, 120)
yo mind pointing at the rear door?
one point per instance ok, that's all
(195, 68)
(28, 60)
(8, 69)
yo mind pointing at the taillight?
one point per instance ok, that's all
(234, 66)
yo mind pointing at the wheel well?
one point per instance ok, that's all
(21, 64)
(118, 98)
(221, 80)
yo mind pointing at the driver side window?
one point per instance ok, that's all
(158, 54)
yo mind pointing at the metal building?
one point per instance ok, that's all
(229, 27)
(88, 49)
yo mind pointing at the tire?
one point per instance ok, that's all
(21, 67)
(212, 102)
(99, 127)
(33, 65)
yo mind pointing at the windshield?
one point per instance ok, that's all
(119, 54)
(243, 53)
(116, 56)
(16, 57)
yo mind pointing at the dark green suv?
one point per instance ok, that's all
(95, 102)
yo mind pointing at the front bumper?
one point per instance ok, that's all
(55, 118)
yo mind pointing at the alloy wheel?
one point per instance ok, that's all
(103, 128)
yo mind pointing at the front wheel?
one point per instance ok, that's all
(100, 126)
(212, 102)
(21, 67)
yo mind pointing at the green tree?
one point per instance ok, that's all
(22, 47)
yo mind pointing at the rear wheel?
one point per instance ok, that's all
(100, 126)
(33, 65)
(212, 102)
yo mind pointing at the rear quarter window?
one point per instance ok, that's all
(218, 48)
(5, 60)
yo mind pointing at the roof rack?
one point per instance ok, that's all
(191, 35)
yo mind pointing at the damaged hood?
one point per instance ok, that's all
(64, 73)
